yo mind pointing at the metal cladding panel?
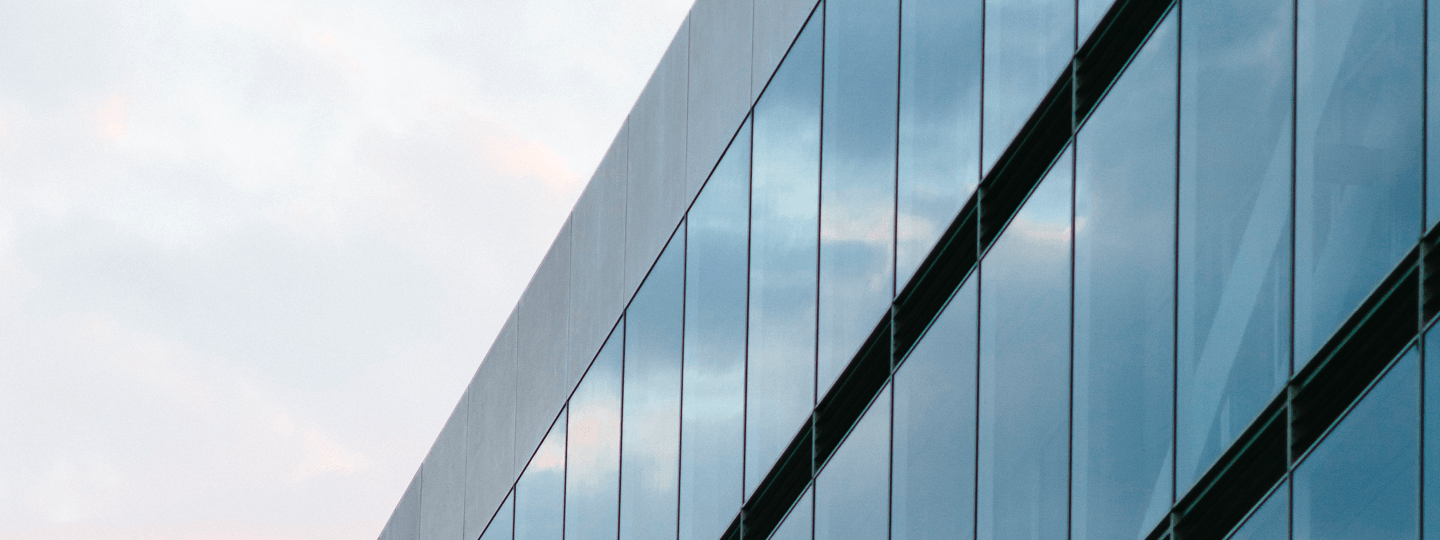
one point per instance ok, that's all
(541, 384)
(777, 22)
(655, 194)
(442, 489)
(490, 425)
(405, 522)
(720, 36)
(597, 258)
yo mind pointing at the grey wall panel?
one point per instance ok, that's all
(720, 36)
(442, 493)
(597, 257)
(405, 522)
(655, 195)
(541, 385)
(490, 428)
(777, 22)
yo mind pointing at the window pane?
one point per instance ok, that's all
(592, 482)
(713, 404)
(1028, 44)
(857, 217)
(799, 524)
(1091, 11)
(501, 526)
(1432, 433)
(783, 240)
(1025, 368)
(1124, 299)
(1360, 483)
(1432, 121)
(852, 491)
(540, 493)
(1235, 176)
(1357, 156)
(934, 457)
(650, 428)
(1269, 522)
(939, 122)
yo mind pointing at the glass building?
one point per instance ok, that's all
(989, 270)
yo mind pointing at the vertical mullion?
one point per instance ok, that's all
(1175, 268)
(620, 437)
(684, 235)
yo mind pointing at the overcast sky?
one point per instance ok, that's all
(252, 251)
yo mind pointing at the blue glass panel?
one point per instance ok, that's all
(1431, 462)
(592, 480)
(713, 405)
(1089, 14)
(800, 523)
(502, 525)
(1235, 191)
(933, 479)
(1124, 299)
(784, 222)
(939, 122)
(1361, 481)
(650, 421)
(852, 491)
(1028, 44)
(1432, 120)
(857, 184)
(1025, 369)
(540, 492)
(1358, 143)
(1271, 521)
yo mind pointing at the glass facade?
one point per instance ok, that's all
(1188, 275)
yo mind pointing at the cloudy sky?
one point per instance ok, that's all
(251, 252)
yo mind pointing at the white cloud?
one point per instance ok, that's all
(250, 253)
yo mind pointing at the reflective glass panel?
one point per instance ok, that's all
(1358, 143)
(933, 479)
(784, 221)
(799, 524)
(1431, 478)
(502, 525)
(939, 122)
(592, 481)
(540, 492)
(857, 184)
(1124, 299)
(1271, 521)
(650, 423)
(1235, 174)
(713, 405)
(1089, 14)
(852, 491)
(1025, 369)
(1432, 120)
(1361, 481)
(1028, 44)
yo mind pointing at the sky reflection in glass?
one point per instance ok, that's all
(1025, 368)
(784, 222)
(1358, 148)
(857, 186)
(1235, 175)
(939, 156)
(650, 428)
(1124, 300)
(713, 403)
(933, 468)
(540, 493)
(592, 480)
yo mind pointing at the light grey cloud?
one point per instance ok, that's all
(251, 253)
